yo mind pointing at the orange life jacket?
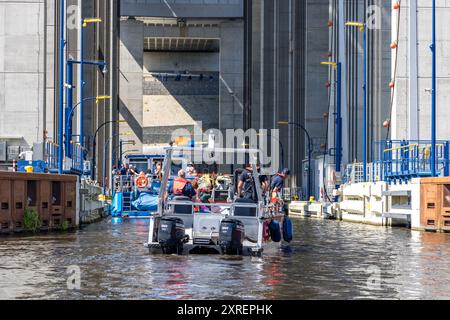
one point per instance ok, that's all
(178, 186)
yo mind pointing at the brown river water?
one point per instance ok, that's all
(328, 260)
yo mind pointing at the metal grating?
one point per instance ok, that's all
(181, 44)
(13, 153)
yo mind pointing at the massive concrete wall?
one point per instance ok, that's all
(169, 103)
(289, 40)
(22, 70)
(131, 63)
(317, 99)
(133, 67)
(183, 8)
(401, 112)
(29, 75)
(377, 14)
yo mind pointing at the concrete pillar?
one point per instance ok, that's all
(131, 63)
(231, 73)
(22, 71)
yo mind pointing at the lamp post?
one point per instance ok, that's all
(363, 28)
(309, 152)
(69, 85)
(338, 121)
(94, 150)
(105, 157)
(121, 144)
(104, 162)
(129, 151)
(433, 94)
(69, 133)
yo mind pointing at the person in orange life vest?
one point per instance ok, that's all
(182, 187)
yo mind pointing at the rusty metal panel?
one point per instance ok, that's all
(431, 206)
(18, 204)
(70, 198)
(44, 203)
(16, 192)
(56, 218)
(5, 206)
(57, 208)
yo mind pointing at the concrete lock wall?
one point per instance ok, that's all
(153, 108)
(412, 100)
(185, 8)
(29, 77)
(170, 103)
(22, 70)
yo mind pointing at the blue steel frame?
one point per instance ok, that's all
(433, 95)
(62, 44)
(403, 160)
(365, 107)
(65, 147)
(339, 120)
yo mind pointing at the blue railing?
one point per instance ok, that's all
(51, 155)
(76, 163)
(402, 160)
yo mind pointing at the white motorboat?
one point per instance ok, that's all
(222, 226)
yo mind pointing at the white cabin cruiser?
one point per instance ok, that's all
(222, 226)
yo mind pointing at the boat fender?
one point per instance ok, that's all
(287, 230)
(266, 231)
(275, 231)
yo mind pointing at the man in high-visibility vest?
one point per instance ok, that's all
(182, 187)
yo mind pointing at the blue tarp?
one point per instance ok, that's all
(146, 202)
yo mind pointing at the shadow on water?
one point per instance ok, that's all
(326, 260)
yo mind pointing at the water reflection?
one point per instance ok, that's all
(328, 260)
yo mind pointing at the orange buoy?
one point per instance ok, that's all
(387, 123)
(397, 5)
(394, 45)
(330, 23)
(142, 181)
(392, 84)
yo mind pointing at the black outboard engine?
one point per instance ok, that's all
(171, 235)
(231, 236)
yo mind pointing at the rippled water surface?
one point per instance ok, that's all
(329, 260)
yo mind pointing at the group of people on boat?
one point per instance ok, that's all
(189, 183)
(127, 176)
(201, 191)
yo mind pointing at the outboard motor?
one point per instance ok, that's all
(231, 236)
(171, 235)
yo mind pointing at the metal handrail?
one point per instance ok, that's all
(404, 160)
